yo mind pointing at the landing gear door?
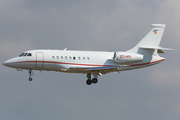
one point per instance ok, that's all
(39, 60)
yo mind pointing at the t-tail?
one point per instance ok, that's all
(149, 45)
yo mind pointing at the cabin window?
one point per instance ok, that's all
(57, 57)
(74, 58)
(83, 58)
(29, 54)
(70, 57)
(87, 58)
(53, 57)
(65, 57)
(61, 57)
(79, 58)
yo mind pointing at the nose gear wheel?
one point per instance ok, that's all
(30, 74)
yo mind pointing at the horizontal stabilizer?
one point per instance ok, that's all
(158, 25)
(158, 48)
(155, 47)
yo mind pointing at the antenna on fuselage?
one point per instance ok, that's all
(65, 49)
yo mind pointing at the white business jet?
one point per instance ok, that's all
(97, 63)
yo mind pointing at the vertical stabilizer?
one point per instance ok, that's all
(150, 43)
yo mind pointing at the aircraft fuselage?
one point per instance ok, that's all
(64, 60)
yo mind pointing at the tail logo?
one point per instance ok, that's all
(155, 31)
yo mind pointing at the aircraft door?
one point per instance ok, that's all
(39, 60)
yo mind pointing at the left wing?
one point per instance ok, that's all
(102, 70)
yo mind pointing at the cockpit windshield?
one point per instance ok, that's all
(25, 54)
(29, 54)
(21, 55)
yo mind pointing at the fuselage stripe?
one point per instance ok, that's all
(147, 63)
(85, 64)
(62, 63)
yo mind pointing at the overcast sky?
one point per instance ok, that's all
(151, 93)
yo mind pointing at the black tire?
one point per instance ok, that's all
(88, 82)
(94, 80)
(30, 79)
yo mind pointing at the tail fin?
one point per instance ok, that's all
(150, 43)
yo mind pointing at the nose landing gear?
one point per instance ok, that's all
(30, 74)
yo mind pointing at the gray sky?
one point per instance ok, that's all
(112, 25)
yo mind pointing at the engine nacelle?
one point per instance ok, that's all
(124, 57)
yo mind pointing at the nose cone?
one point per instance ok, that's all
(6, 63)
(10, 62)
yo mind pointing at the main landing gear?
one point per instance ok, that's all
(94, 80)
(30, 74)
